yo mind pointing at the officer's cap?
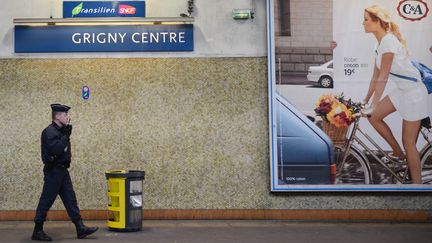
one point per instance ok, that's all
(59, 108)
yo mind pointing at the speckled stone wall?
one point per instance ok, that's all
(197, 126)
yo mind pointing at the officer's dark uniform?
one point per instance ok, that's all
(56, 156)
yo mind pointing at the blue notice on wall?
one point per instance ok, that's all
(85, 92)
(94, 9)
(104, 38)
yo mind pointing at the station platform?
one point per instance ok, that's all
(229, 231)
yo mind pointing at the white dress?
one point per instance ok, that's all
(410, 98)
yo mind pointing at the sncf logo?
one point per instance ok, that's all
(126, 9)
(413, 9)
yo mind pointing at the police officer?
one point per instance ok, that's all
(56, 156)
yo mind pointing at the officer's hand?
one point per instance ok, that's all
(68, 130)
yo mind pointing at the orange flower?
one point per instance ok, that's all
(340, 115)
(329, 99)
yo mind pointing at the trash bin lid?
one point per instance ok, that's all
(138, 174)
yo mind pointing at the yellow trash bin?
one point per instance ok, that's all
(125, 199)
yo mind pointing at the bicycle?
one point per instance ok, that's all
(353, 165)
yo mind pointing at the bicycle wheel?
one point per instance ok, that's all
(426, 162)
(355, 169)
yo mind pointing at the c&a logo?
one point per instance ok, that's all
(126, 9)
(413, 9)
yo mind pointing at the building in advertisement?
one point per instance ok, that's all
(303, 31)
(182, 94)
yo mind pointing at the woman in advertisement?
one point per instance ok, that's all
(408, 98)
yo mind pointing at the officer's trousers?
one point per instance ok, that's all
(57, 181)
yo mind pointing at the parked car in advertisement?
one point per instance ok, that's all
(304, 151)
(322, 74)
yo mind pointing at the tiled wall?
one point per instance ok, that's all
(198, 127)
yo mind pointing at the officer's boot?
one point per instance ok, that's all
(39, 234)
(82, 230)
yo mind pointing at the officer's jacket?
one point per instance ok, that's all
(55, 147)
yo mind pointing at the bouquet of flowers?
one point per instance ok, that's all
(337, 110)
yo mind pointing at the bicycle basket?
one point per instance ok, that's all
(336, 134)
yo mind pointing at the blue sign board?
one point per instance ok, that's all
(85, 92)
(104, 38)
(91, 9)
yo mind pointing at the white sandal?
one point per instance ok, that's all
(393, 158)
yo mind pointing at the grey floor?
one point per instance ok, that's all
(231, 231)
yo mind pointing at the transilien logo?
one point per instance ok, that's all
(77, 9)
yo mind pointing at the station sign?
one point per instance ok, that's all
(95, 9)
(104, 38)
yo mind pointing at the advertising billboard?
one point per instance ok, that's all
(349, 95)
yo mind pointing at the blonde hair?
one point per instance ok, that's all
(378, 13)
